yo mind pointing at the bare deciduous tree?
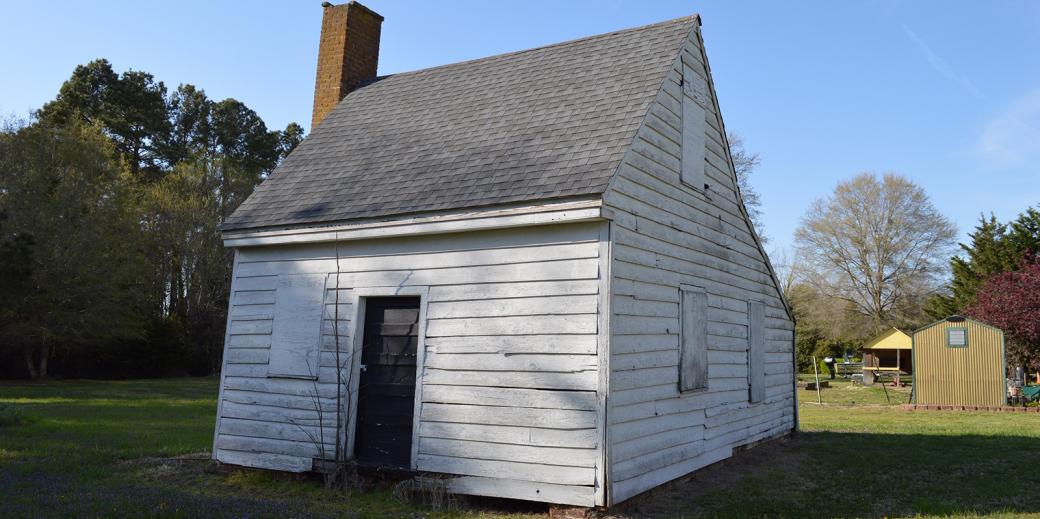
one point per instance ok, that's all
(788, 268)
(744, 164)
(876, 243)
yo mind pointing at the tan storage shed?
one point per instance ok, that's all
(959, 361)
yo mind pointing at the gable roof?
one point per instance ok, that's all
(954, 320)
(893, 339)
(545, 123)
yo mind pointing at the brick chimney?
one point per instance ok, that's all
(347, 54)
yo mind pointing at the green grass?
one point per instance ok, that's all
(843, 392)
(139, 448)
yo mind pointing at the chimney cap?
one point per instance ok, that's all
(358, 5)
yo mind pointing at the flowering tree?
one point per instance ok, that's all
(1011, 302)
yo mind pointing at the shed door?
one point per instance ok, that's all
(386, 391)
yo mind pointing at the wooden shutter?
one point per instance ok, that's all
(694, 101)
(296, 333)
(756, 351)
(693, 349)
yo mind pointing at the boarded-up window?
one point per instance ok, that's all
(756, 351)
(298, 308)
(693, 351)
(694, 102)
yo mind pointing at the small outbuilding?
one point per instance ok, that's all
(531, 274)
(959, 361)
(889, 352)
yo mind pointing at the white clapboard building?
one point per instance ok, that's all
(537, 269)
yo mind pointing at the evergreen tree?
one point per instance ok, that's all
(138, 181)
(130, 108)
(995, 248)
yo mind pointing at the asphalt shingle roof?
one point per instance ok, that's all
(545, 123)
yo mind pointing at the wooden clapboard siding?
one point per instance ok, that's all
(665, 234)
(518, 396)
(510, 375)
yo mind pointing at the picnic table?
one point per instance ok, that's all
(847, 369)
(894, 374)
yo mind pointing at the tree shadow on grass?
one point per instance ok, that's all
(832, 474)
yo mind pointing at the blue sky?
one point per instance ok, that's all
(946, 93)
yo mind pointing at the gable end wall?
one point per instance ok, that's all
(663, 235)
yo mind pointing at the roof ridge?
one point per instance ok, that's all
(692, 17)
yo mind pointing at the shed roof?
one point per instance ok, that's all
(893, 339)
(545, 123)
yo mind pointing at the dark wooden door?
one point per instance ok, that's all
(386, 390)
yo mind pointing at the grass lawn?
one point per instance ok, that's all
(138, 448)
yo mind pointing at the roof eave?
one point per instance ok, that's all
(494, 217)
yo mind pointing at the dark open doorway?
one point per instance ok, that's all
(386, 390)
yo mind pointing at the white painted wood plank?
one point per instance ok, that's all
(559, 305)
(695, 404)
(584, 380)
(628, 305)
(486, 291)
(508, 452)
(700, 400)
(644, 291)
(249, 341)
(625, 489)
(276, 431)
(251, 327)
(302, 402)
(557, 474)
(513, 344)
(644, 360)
(656, 442)
(645, 342)
(252, 312)
(510, 397)
(525, 490)
(518, 435)
(247, 355)
(275, 414)
(264, 460)
(657, 460)
(518, 325)
(253, 297)
(262, 446)
(255, 283)
(639, 428)
(521, 362)
(536, 271)
(306, 388)
(632, 379)
(517, 416)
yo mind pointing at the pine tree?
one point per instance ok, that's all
(995, 248)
